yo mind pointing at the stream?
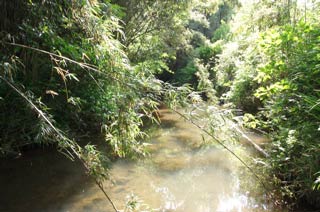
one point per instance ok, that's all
(180, 175)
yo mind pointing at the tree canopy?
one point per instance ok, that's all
(102, 67)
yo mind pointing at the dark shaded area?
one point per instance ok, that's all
(40, 179)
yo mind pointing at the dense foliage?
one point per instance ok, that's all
(269, 68)
(71, 61)
(72, 68)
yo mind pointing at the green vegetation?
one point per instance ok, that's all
(69, 68)
(269, 69)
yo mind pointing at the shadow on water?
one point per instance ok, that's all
(41, 180)
(178, 176)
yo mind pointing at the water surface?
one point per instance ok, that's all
(180, 175)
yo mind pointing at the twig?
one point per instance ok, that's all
(106, 195)
(256, 146)
(84, 65)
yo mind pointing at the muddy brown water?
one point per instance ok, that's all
(179, 175)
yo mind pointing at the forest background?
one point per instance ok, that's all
(100, 67)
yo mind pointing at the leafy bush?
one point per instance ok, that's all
(270, 68)
(186, 74)
(288, 91)
(221, 33)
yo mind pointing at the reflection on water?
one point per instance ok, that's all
(179, 176)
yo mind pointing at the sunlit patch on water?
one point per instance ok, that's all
(234, 203)
(170, 202)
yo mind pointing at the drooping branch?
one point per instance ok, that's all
(83, 65)
(68, 143)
